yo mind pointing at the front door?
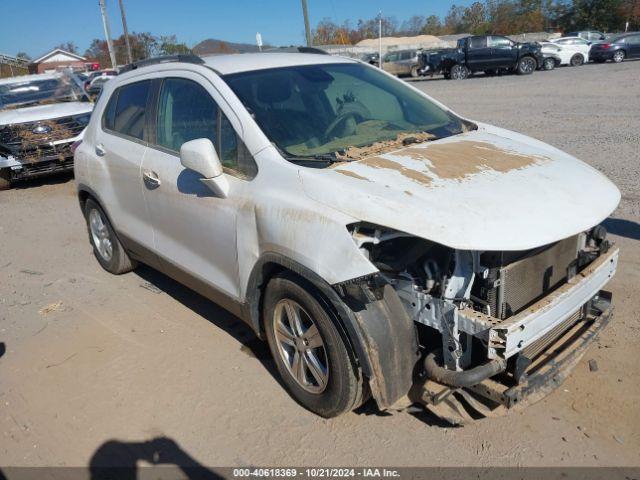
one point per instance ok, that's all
(194, 230)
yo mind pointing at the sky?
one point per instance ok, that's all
(35, 26)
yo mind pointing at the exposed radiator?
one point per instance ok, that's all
(513, 287)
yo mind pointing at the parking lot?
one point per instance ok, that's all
(91, 358)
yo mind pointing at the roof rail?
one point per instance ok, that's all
(183, 58)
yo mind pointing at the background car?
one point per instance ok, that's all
(371, 58)
(95, 87)
(41, 116)
(402, 62)
(574, 50)
(617, 48)
(588, 35)
(98, 73)
(551, 56)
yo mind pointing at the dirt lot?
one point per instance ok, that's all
(92, 358)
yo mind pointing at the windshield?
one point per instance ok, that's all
(315, 110)
(40, 89)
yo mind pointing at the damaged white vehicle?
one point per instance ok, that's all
(382, 245)
(41, 116)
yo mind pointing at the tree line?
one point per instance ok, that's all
(492, 16)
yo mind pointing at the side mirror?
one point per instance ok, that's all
(200, 156)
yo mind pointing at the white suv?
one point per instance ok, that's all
(372, 236)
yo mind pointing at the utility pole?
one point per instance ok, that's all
(126, 32)
(380, 39)
(307, 31)
(107, 33)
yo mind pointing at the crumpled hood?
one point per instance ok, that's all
(489, 189)
(43, 112)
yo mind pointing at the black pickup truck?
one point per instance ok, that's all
(488, 53)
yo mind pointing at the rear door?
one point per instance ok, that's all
(479, 54)
(120, 147)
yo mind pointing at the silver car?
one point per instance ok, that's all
(402, 63)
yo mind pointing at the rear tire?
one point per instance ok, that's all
(526, 65)
(106, 247)
(328, 382)
(577, 60)
(618, 56)
(5, 180)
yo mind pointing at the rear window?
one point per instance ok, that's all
(126, 111)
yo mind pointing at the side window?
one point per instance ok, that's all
(478, 42)
(500, 42)
(130, 110)
(186, 112)
(633, 40)
(109, 116)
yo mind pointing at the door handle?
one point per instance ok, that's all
(151, 179)
(100, 151)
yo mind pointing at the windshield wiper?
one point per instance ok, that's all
(318, 158)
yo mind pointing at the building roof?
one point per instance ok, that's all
(244, 62)
(59, 51)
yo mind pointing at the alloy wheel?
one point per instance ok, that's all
(527, 65)
(300, 346)
(618, 56)
(100, 235)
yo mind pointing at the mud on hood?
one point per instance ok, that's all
(490, 189)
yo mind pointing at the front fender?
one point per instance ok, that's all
(369, 315)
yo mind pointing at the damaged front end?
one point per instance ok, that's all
(489, 329)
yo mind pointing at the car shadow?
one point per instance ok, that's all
(251, 344)
(623, 228)
(3, 349)
(115, 459)
(53, 179)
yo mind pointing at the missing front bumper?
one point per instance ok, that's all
(545, 370)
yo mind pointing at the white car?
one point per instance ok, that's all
(365, 230)
(574, 50)
(41, 116)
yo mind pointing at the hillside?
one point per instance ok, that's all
(212, 45)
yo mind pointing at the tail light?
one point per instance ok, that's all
(75, 145)
(605, 45)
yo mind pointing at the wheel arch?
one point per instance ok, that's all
(379, 331)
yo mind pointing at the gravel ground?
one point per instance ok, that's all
(96, 363)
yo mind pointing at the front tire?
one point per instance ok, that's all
(106, 247)
(577, 60)
(316, 364)
(415, 72)
(526, 65)
(618, 56)
(548, 64)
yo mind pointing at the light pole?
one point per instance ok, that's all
(107, 33)
(307, 30)
(126, 32)
(380, 39)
